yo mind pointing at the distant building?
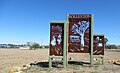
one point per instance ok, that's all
(25, 47)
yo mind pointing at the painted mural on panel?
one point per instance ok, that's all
(56, 39)
(79, 33)
(98, 48)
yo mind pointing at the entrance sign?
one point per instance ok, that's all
(74, 36)
(79, 37)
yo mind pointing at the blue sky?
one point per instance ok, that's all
(24, 21)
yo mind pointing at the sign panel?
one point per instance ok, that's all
(98, 44)
(79, 33)
(56, 39)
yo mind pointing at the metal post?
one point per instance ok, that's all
(103, 55)
(50, 62)
(91, 52)
(102, 60)
(67, 28)
(65, 48)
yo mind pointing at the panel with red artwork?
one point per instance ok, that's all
(98, 44)
(56, 39)
(79, 38)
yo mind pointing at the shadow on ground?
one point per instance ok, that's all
(78, 63)
(59, 64)
(41, 64)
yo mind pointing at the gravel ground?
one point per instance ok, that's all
(78, 64)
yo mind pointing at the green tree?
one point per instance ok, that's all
(47, 46)
(35, 46)
(40, 47)
(113, 46)
(105, 42)
(11, 45)
(108, 46)
(28, 43)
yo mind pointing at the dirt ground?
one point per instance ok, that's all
(16, 57)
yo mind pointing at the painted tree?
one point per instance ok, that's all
(56, 35)
(80, 29)
(56, 38)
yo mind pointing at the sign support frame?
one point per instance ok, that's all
(64, 57)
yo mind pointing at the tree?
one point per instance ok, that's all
(105, 42)
(35, 46)
(40, 46)
(113, 46)
(28, 43)
(108, 46)
(47, 46)
(118, 46)
(11, 45)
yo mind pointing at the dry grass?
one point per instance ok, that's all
(16, 57)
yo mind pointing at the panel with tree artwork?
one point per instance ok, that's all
(79, 33)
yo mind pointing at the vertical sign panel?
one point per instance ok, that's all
(98, 48)
(56, 39)
(79, 33)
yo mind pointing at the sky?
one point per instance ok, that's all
(24, 21)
